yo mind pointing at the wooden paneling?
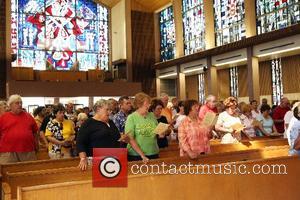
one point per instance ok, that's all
(206, 84)
(96, 75)
(265, 79)
(290, 74)
(243, 81)
(223, 83)
(72, 89)
(143, 50)
(61, 76)
(192, 87)
(22, 73)
(2, 51)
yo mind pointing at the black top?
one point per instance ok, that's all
(45, 122)
(97, 134)
(162, 142)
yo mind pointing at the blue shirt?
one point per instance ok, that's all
(119, 119)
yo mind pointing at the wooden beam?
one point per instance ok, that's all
(253, 75)
(177, 9)
(250, 18)
(212, 78)
(208, 6)
(128, 40)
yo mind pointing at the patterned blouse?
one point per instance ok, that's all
(193, 137)
(119, 119)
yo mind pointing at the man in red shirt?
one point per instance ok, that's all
(278, 114)
(209, 106)
(18, 133)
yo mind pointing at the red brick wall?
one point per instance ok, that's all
(2, 50)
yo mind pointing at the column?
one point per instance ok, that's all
(253, 75)
(250, 18)
(212, 78)
(208, 6)
(181, 91)
(177, 9)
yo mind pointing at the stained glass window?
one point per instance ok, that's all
(167, 34)
(193, 26)
(201, 82)
(277, 87)
(234, 82)
(229, 21)
(57, 34)
(276, 14)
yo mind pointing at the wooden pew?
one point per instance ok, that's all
(164, 153)
(167, 186)
(46, 176)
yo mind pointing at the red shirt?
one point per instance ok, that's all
(278, 114)
(204, 109)
(17, 132)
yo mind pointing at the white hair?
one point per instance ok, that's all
(209, 98)
(100, 103)
(13, 98)
(82, 116)
(162, 95)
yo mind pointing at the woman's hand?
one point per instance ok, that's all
(145, 159)
(192, 155)
(83, 164)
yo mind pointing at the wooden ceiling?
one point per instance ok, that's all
(147, 5)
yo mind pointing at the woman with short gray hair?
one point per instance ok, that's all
(97, 132)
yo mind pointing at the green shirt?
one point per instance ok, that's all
(142, 130)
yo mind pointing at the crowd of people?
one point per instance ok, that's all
(132, 123)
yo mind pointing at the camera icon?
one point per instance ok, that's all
(110, 167)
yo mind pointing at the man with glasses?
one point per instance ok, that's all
(18, 133)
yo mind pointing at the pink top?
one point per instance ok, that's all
(204, 109)
(193, 136)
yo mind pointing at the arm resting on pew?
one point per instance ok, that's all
(136, 147)
(83, 161)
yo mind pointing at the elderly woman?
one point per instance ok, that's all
(3, 107)
(294, 133)
(60, 134)
(227, 120)
(267, 124)
(193, 137)
(247, 120)
(97, 132)
(140, 126)
(156, 108)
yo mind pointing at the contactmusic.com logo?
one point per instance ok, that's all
(110, 167)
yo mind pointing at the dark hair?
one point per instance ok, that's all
(38, 110)
(264, 108)
(57, 108)
(180, 104)
(188, 104)
(296, 112)
(122, 98)
(253, 101)
(155, 103)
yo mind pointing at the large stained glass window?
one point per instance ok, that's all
(59, 34)
(229, 21)
(193, 26)
(277, 87)
(276, 14)
(167, 34)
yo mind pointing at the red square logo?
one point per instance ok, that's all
(110, 167)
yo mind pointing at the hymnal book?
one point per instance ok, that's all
(161, 128)
(210, 119)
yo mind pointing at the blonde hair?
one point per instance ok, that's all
(82, 116)
(246, 108)
(230, 101)
(13, 98)
(140, 98)
(100, 103)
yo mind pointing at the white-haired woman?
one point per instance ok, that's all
(97, 132)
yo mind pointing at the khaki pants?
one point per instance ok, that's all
(12, 157)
